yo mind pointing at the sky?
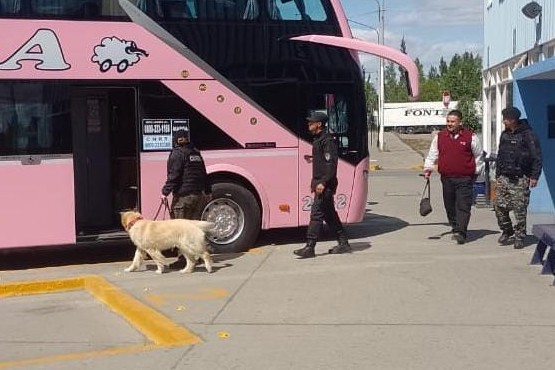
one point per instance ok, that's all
(432, 28)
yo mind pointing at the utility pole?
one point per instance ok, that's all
(381, 143)
(381, 97)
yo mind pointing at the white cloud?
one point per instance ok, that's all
(437, 13)
(427, 31)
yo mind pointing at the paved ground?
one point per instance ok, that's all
(407, 298)
(397, 155)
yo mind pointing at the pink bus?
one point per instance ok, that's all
(91, 91)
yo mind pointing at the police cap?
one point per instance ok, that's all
(511, 112)
(318, 117)
(181, 134)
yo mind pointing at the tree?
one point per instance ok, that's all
(442, 67)
(402, 78)
(463, 77)
(470, 116)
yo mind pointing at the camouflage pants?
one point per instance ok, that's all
(512, 195)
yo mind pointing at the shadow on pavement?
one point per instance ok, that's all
(123, 250)
(372, 225)
(79, 254)
(473, 235)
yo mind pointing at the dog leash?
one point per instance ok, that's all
(164, 203)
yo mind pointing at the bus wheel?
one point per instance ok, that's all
(410, 130)
(236, 214)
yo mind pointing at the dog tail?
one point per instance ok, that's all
(205, 226)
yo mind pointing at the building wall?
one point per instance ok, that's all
(507, 32)
(533, 96)
(509, 44)
(519, 72)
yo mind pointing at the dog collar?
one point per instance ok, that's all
(132, 222)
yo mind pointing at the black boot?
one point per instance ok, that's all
(307, 251)
(505, 236)
(519, 242)
(343, 246)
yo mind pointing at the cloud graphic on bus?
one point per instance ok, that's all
(115, 52)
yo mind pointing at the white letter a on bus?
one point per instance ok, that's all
(42, 47)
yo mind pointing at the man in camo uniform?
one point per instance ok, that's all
(519, 163)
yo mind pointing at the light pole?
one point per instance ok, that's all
(381, 40)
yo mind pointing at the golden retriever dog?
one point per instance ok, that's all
(153, 237)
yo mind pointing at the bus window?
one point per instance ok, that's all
(338, 124)
(296, 10)
(158, 102)
(34, 119)
(180, 9)
(228, 9)
(348, 129)
(73, 8)
(10, 7)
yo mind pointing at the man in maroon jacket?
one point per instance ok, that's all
(458, 154)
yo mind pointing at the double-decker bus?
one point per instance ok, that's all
(92, 90)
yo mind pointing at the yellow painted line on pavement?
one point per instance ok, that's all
(156, 327)
(77, 356)
(160, 299)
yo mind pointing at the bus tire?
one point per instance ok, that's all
(237, 216)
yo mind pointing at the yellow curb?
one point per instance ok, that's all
(417, 167)
(375, 167)
(156, 327)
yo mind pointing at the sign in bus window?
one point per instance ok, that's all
(158, 134)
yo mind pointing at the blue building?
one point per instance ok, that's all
(519, 70)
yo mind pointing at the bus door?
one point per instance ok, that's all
(105, 156)
(36, 167)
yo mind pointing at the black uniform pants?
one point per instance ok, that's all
(457, 199)
(323, 209)
(187, 206)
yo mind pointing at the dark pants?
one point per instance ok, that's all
(457, 199)
(323, 209)
(187, 206)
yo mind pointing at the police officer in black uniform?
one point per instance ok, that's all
(324, 185)
(186, 180)
(518, 168)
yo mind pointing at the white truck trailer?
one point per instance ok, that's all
(417, 117)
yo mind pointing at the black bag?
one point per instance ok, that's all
(425, 204)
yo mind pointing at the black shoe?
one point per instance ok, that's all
(339, 249)
(505, 236)
(519, 243)
(459, 238)
(307, 251)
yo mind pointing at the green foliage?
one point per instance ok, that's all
(394, 90)
(470, 118)
(461, 76)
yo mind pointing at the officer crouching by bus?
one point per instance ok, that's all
(186, 179)
(518, 168)
(324, 185)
